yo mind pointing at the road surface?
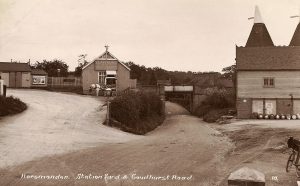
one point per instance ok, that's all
(54, 123)
(183, 150)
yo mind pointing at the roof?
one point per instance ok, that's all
(38, 72)
(106, 56)
(268, 58)
(259, 36)
(296, 37)
(14, 67)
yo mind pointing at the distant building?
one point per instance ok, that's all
(39, 78)
(108, 71)
(15, 75)
(20, 75)
(268, 76)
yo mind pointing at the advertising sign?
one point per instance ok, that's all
(38, 80)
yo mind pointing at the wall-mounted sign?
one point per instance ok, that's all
(109, 65)
(38, 80)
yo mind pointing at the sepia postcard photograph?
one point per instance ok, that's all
(149, 93)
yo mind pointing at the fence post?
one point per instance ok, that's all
(108, 113)
(4, 90)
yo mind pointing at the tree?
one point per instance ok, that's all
(153, 79)
(54, 68)
(230, 73)
(81, 63)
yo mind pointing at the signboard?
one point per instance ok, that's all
(109, 65)
(270, 106)
(38, 80)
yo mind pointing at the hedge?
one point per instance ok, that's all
(137, 112)
(11, 105)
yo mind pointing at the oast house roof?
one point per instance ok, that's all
(259, 36)
(296, 37)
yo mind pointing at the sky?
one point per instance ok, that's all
(183, 35)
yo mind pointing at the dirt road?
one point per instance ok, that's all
(54, 123)
(183, 151)
(261, 145)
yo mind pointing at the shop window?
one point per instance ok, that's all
(38, 80)
(101, 77)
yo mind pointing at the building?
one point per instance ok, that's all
(268, 76)
(15, 75)
(20, 75)
(106, 70)
(39, 78)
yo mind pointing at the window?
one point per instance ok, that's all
(38, 80)
(269, 82)
(101, 77)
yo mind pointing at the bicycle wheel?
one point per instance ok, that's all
(298, 171)
(290, 161)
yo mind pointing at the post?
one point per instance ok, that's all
(108, 112)
(4, 90)
(1, 87)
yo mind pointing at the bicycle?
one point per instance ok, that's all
(294, 156)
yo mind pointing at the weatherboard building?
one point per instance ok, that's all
(268, 76)
(106, 70)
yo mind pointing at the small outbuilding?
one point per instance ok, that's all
(39, 78)
(15, 75)
(106, 70)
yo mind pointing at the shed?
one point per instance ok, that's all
(15, 75)
(39, 78)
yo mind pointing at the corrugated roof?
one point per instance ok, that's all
(259, 36)
(38, 72)
(268, 58)
(296, 37)
(14, 67)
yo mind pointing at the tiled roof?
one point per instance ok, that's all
(259, 36)
(268, 58)
(296, 37)
(14, 67)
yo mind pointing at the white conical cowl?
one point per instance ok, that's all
(257, 16)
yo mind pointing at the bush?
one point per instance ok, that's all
(11, 105)
(217, 103)
(137, 112)
(202, 110)
(214, 115)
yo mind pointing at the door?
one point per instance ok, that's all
(25, 79)
(296, 106)
(19, 79)
(270, 106)
(257, 106)
(12, 79)
(284, 106)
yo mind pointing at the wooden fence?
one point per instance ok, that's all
(64, 81)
